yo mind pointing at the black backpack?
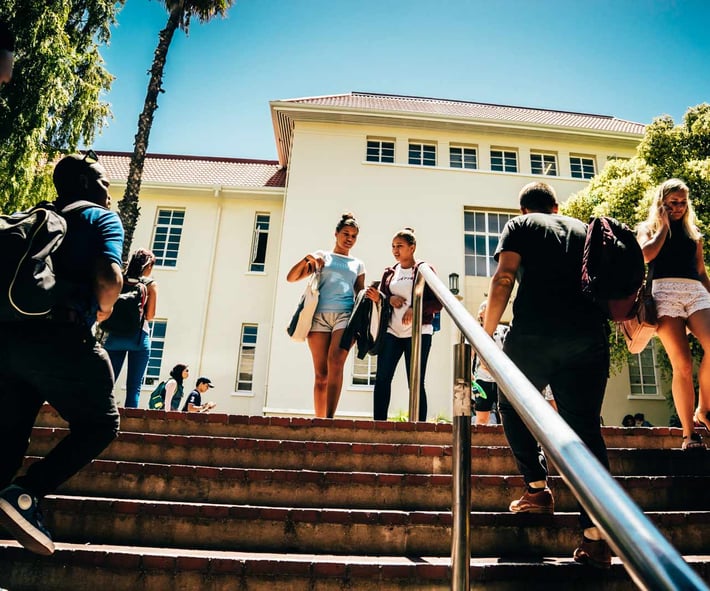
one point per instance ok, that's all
(612, 267)
(128, 314)
(28, 239)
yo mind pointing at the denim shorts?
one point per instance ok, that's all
(329, 321)
(679, 298)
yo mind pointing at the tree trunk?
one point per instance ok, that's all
(128, 208)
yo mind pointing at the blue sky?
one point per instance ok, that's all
(633, 59)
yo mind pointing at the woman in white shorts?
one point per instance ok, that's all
(681, 289)
(341, 277)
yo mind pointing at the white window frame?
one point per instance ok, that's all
(463, 157)
(421, 153)
(380, 150)
(167, 236)
(482, 230)
(260, 242)
(157, 348)
(645, 376)
(247, 355)
(582, 164)
(547, 165)
(364, 372)
(508, 159)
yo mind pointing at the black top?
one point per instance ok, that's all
(193, 397)
(549, 298)
(677, 255)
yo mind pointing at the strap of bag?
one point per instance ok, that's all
(649, 280)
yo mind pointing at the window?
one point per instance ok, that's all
(247, 351)
(642, 373)
(504, 160)
(158, 329)
(482, 231)
(582, 167)
(166, 236)
(380, 151)
(364, 371)
(461, 157)
(258, 244)
(545, 164)
(422, 154)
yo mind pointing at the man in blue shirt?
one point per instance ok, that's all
(58, 360)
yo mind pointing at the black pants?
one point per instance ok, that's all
(387, 360)
(63, 365)
(577, 368)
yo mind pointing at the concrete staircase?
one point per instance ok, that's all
(216, 502)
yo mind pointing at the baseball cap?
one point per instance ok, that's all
(204, 380)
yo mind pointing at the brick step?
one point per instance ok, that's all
(365, 431)
(127, 568)
(333, 531)
(348, 457)
(357, 490)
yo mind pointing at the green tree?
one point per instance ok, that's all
(53, 102)
(180, 13)
(624, 188)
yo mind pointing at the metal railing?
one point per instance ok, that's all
(651, 561)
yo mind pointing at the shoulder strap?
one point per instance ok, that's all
(80, 206)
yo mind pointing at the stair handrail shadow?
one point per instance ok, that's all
(649, 558)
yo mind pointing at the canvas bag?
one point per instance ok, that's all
(640, 328)
(300, 324)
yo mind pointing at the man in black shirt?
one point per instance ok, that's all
(557, 337)
(194, 398)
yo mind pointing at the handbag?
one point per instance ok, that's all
(301, 321)
(640, 328)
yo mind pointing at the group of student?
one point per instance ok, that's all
(342, 277)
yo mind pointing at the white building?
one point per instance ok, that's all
(227, 230)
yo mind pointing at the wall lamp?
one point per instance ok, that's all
(454, 283)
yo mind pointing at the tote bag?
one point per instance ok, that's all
(640, 328)
(300, 324)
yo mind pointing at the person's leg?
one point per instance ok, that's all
(137, 363)
(671, 331)
(336, 361)
(387, 359)
(699, 324)
(485, 401)
(116, 357)
(76, 380)
(426, 347)
(318, 343)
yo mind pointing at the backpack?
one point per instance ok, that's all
(612, 267)
(28, 239)
(157, 397)
(128, 314)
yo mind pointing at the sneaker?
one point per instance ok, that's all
(537, 502)
(595, 553)
(20, 516)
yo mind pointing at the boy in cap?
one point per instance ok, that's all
(194, 398)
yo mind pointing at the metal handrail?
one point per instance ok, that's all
(651, 561)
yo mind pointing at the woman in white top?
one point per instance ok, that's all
(341, 277)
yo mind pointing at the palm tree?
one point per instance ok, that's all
(180, 13)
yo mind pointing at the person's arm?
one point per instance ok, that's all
(170, 389)
(107, 286)
(651, 244)
(152, 301)
(204, 407)
(359, 283)
(501, 287)
(305, 267)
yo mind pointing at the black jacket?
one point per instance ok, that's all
(368, 323)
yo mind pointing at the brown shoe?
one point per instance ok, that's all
(595, 553)
(538, 502)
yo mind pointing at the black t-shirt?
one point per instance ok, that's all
(677, 257)
(194, 398)
(549, 298)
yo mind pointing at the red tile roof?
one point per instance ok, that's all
(197, 170)
(483, 111)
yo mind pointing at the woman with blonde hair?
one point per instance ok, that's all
(341, 278)
(673, 246)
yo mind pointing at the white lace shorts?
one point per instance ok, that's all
(679, 298)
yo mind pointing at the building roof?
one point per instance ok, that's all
(197, 170)
(368, 107)
(445, 107)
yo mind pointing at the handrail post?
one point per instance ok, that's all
(415, 370)
(461, 469)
